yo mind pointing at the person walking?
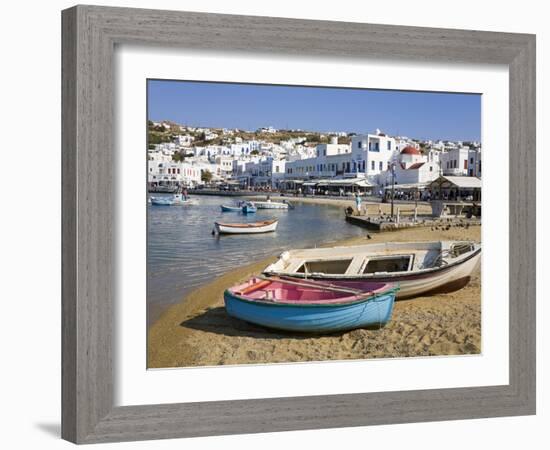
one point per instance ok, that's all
(358, 203)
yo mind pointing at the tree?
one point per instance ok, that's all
(206, 176)
(179, 156)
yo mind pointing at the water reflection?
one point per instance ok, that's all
(183, 253)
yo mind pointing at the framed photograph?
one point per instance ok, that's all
(263, 229)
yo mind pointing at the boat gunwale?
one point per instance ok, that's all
(372, 297)
(261, 224)
(409, 275)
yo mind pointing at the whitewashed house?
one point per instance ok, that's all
(474, 162)
(224, 166)
(185, 140)
(163, 173)
(412, 167)
(266, 172)
(209, 136)
(372, 154)
(367, 156)
(455, 161)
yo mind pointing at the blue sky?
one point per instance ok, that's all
(423, 115)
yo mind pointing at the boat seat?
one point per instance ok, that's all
(355, 266)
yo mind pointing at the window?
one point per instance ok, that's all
(372, 165)
(380, 165)
(389, 145)
(471, 160)
(359, 144)
(431, 169)
(377, 147)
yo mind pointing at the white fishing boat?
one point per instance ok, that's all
(174, 200)
(271, 205)
(264, 226)
(419, 267)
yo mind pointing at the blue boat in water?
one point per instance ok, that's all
(311, 306)
(230, 208)
(248, 208)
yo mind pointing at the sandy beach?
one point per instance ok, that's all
(198, 332)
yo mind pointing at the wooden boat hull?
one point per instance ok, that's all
(448, 277)
(247, 209)
(373, 312)
(171, 202)
(222, 228)
(270, 205)
(226, 208)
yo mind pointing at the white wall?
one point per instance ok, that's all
(30, 234)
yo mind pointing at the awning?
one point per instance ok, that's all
(457, 182)
(408, 186)
(292, 181)
(359, 182)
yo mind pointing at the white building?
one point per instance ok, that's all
(160, 155)
(474, 162)
(184, 140)
(368, 156)
(372, 154)
(208, 136)
(162, 173)
(455, 161)
(268, 130)
(224, 166)
(412, 167)
(266, 172)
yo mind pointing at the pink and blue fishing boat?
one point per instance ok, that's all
(311, 306)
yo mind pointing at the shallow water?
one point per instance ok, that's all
(182, 253)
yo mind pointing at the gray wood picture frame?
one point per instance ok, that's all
(90, 34)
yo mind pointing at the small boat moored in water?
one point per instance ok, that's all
(231, 208)
(264, 226)
(311, 306)
(271, 205)
(248, 208)
(419, 267)
(174, 200)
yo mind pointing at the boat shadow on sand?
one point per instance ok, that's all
(216, 320)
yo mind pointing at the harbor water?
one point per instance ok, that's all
(182, 253)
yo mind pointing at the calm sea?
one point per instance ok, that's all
(183, 254)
